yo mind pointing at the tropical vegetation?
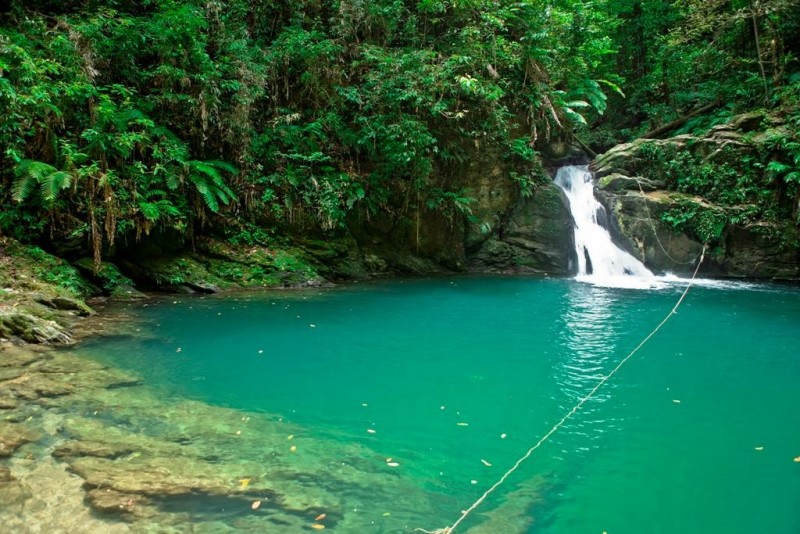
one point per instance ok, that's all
(121, 119)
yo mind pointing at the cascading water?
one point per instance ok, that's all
(599, 259)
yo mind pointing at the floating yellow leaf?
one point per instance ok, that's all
(676, 401)
(393, 464)
(759, 448)
(503, 436)
(255, 505)
(291, 436)
(462, 424)
(243, 483)
(797, 459)
(320, 517)
(317, 526)
(293, 448)
(370, 431)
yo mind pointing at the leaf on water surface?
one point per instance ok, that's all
(393, 464)
(462, 424)
(317, 526)
(759, 448)
(320, 517)
(293, 448)
(484, 462)
(291, 436)
(676, 401)
(243, 483)
(503, 435)
(797, 459)
(255, 505)
(370, 431)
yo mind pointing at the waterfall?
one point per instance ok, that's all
(599, 259)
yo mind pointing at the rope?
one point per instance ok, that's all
(653, 227)
(465, 513)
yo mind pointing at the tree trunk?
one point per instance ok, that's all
(678, 122)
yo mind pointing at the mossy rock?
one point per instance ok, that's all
(30, 328)
(216, 265)
(113, 283)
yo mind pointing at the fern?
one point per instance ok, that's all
(209, 182)
(53, 183)
(30, 172)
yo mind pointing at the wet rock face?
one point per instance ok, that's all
(536, 237)
(758, 250)
(633, 186)
(753, 251)
(636, 225)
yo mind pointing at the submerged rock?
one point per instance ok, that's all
(12, 492)
(13, 436)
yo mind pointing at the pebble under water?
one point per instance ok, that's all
(444, 383)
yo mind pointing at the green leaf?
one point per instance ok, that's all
(614, 87)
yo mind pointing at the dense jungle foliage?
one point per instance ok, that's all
(119, 118)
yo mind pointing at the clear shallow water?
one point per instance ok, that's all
(509, 356)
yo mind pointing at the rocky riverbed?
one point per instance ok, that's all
(88, 448)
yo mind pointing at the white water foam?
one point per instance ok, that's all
(600, 261)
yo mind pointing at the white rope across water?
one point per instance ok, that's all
(465, 513)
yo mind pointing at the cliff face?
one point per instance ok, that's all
(670, 196)
(501, 229)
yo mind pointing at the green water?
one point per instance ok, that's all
(441, 369)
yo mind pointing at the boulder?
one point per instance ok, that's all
(666, 229)
(537, 236)
(636, 225)
(30, 328)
